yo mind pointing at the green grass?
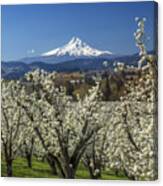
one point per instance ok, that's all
(42, 170)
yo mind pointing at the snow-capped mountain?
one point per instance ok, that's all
(74, 49)
(78, 48)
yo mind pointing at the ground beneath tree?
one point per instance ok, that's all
(42, 170)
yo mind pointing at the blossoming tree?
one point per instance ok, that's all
(95, 157)
(134, 130)
(14, 123)
(65, 129)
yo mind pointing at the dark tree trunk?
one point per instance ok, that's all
(91, 173)
(70, 173)
(92, 169)
(29, 153)
(43, 158)
(94, 176)
(9, 168)
(52, 164)
(29, 159)
(131, 177)
(116, 172)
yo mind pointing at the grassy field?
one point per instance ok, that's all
(42, 170)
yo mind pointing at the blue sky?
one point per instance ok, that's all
(29, 30)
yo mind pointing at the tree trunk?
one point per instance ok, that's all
(70, 173)
(94, 176)
(9, 168)
(131, 177)
(43, 158)
(52, 164)
(29, 160)
(92, 169)
(116, 172)
(29, 153)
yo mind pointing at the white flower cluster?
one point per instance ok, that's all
(133, 132)
(64, 128)
(139, 38)
(14, 122)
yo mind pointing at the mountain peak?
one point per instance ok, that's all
(75, 40)
(77, 48)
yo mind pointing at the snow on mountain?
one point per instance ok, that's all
(76, 47)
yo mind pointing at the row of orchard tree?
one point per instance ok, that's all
(41, 120)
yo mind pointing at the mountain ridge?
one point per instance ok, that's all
(17, 69)
(74, 49)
